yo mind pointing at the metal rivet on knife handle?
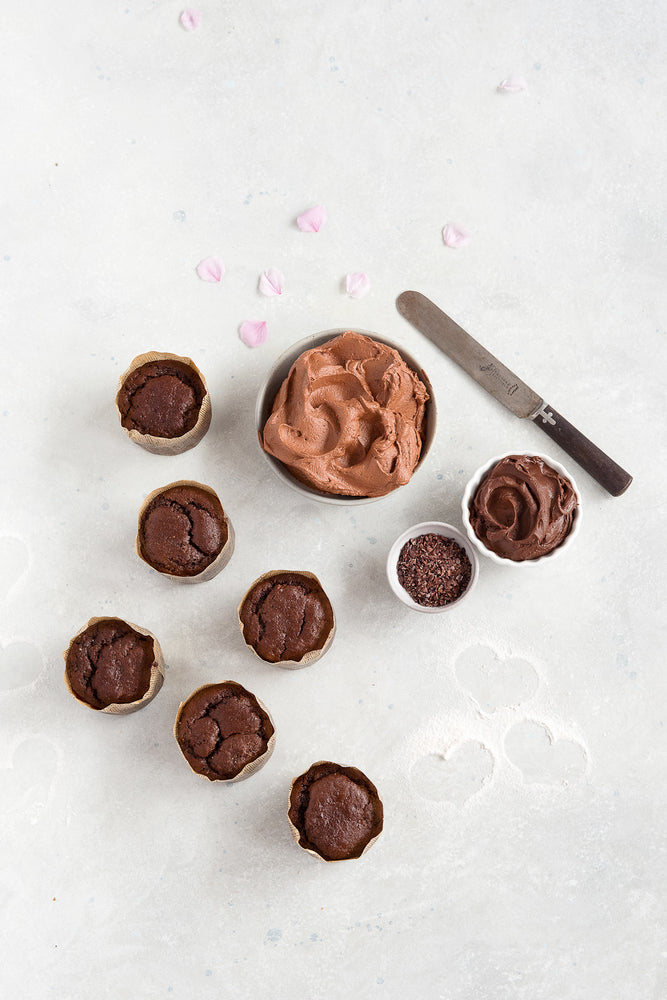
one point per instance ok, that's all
(601, 467)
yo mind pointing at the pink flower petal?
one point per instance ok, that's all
(312, 220)
(512, 84)
(253, 332)
(357, 284)
(455, 236)
(190, 19)
(271, 282)
(210, 269)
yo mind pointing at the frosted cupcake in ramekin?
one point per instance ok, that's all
(521, 509)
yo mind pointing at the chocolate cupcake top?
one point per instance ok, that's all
(221, 729)
(335, 810)
(161, 398)
(182, 530)
(285, 616)
(110, 663)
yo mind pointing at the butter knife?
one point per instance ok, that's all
(509, 390)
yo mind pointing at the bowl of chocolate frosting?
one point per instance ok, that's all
(521, 509)
(345, 416)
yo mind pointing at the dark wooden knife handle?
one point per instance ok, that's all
(601, 467)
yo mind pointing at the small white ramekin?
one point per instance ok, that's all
(279, 372)
(475, 482)
(427, 528)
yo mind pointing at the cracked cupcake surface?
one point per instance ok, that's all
(221, 729)
(110, 663)
(182, 530)
(335, 810)
(349, 418)
(161, 398)
(286, 615)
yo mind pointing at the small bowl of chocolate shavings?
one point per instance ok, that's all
(432, 566)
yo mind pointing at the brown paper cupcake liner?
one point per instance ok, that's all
(161, 445)
(310, 657)
(220, 560)
(157, 670)
(297, 834)
(254, 765)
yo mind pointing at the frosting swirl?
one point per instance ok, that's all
(523, 508)
(349, 418)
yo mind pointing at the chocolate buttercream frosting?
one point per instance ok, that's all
(523, 508)
(349, 418)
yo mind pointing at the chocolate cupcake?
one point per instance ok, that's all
(287, 619)
(163, 403)
(225, 733)
(335, 812)
(184, 532)
(114, 666)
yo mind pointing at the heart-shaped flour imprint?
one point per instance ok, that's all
(13, 562)
(454, 776)
(26, 783)
(20, 664)
(541, 759)
(494, 683)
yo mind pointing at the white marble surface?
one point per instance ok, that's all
(510, 867)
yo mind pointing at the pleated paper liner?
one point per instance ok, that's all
(356, 775)
(157, 670)
(162, 445)
(312, 655)
(254, 765)
(220, 560)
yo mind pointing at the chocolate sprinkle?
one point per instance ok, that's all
(434, 570)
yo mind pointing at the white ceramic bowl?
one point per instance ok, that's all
(471, 489)
(427, 528)
(279, 372)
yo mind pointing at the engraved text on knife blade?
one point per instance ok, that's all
(491, 369)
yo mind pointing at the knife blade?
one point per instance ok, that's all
(509, 389)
